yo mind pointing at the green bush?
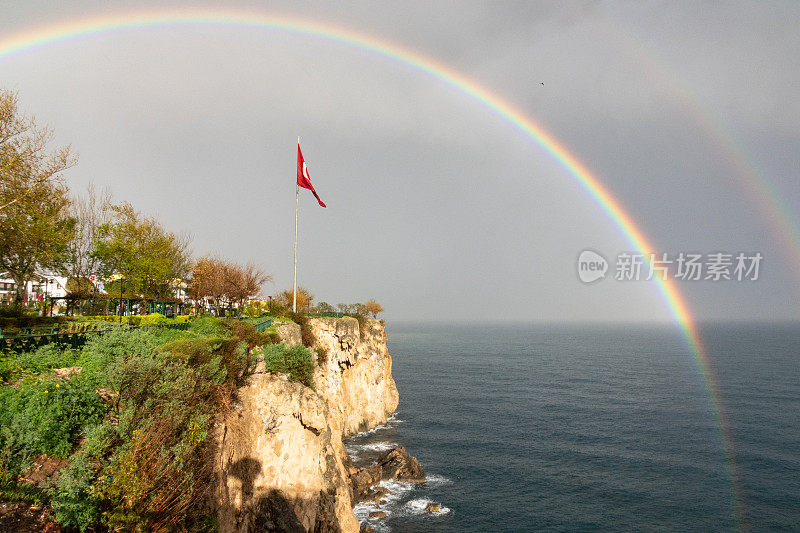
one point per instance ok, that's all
(276, 309)
(103, 352)
(75, 498)
(45, 415)
(13, 311)
(11, 331)
(153, 319)
(294, 360)
(14, 366)
(208, 325)
(146, 458)
(322, 355)
(162, 472)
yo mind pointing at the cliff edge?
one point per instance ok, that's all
(280, 458)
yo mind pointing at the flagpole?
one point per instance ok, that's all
(296, 210)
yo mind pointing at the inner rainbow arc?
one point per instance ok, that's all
(39, 37)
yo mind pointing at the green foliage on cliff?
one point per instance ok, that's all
(135, 423)
(296, 361)
(44, 415)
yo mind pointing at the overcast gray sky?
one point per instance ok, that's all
(438, 207)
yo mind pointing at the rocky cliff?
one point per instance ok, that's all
(356, 377)
(281, 461)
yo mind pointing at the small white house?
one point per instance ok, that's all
(45, 286)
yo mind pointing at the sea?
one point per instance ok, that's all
(591, 428)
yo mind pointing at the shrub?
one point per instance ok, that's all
(306, 334)
(104, 352)
(322, 355)
(13, 311)
(246, 331)
(207, 325)
(162, 471)
(256, 308)
(153, 319)
(145, 462)
(75, 500)
(14, 366)
(275, 308)
(11, 331)
(45, 415)
(295, 360)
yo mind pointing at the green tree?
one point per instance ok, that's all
(325, 307)
(150, 259)
(34, 201)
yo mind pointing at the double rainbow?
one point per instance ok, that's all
(43, 36)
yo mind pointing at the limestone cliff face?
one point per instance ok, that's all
(280, 456)
(356, 378)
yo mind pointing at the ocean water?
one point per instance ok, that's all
(589, 428)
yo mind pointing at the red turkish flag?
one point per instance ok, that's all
(302, 175)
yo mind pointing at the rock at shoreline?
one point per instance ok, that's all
(397, 464)
(394, 464)
(362, 479)
(433, 507)
(377, 514)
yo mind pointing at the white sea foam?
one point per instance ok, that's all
(397, 490)
(370, 431)
(391, 421)
(355, 450)
(435, 480)
(376, 446)
(362, 510)
(417, 506)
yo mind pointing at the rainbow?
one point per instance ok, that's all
(36, 38)
(782, 221)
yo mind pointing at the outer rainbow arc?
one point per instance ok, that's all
(61, 32)
(775, 210)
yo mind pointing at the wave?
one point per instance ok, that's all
(394, 504)
(391, 421)
(397, 489)
(356, 450)
(435, 480)
(380, 446)
(417, 506)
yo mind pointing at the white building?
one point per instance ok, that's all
(45, 286)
